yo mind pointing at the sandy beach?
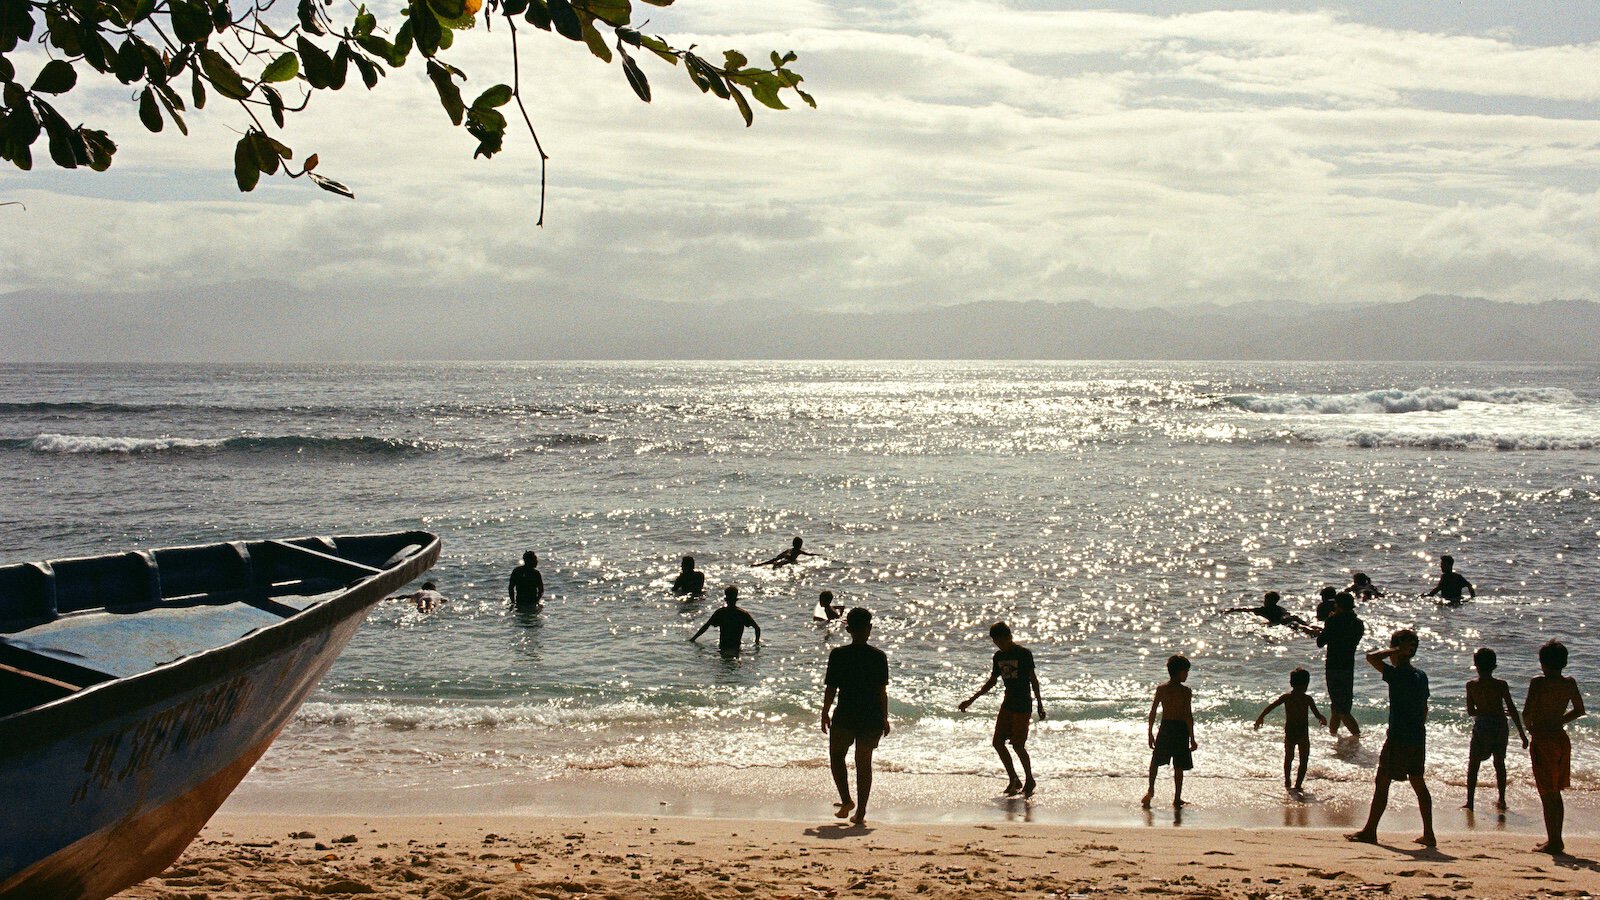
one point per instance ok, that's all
(489, 857)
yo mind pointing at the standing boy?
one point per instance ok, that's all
(858, 675)
(526, 588)
(1488, 703)
(730, 622)
(1013, 663)
(691, 582)
(1553, 701)
(1296, 726)
(1451, 582)
(1175, 742)
(1342, 636)
(1404, 751)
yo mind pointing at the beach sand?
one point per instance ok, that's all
(494, 857)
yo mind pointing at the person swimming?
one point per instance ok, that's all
(827, 609)
(787, 558)
(1275, 614)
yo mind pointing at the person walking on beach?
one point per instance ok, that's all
(690, 582)
(1175, 742)
(1553, 701)
(1296, 728)
(1488, 703)
(1404, 753)
(1451, 583)
(1342, 636)
(526, 588)
(1013, 663)
(858, 677)
(787, 558)
(1274, 614)
(730, 622)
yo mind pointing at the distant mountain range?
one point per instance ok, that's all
(260, 321)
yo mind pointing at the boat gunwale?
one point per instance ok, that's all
(55, 720)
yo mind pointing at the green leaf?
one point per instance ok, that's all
(612, 12)
(369, 71)
(565, 20)
(597, 44)
(365, 23)
(660, 48)
(538, 14)
(222, 76)
(446, 9)
(734, 59)
(318, 65)
(265, 151)
(705, 77)
(67, 149)
(57, 77)
(308, 18)
(191, 22)
(129, 63)
(425, 28)
(810, 100)
(198, 89)
(99, 148)
(245, 170)
(449, 93)
(743, 104)
(275, 103)
(341, 66)
(766, 91)
(284, 68)
(499, 95)
(635, 75)
(149, 113)
(173, 103)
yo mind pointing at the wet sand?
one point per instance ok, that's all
(495, 857)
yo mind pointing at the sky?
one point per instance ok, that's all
(1152, 154)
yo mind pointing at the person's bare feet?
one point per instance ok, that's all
(1145, 800)
(1179, 803)
(1013, 788)
(1361, 837)
(844, 809)
(859, 818)
(1467, 805)
(1028, 787)
(1551, 847)
(1427, 840)
(1500, 804)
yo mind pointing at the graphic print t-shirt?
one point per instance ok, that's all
(859, 672)
(1015, 668)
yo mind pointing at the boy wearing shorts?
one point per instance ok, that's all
(1553, 701)
(1013, 664)
(1175, 742)
(1404, 753)
(1489, 703)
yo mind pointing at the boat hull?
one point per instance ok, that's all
(109, 787)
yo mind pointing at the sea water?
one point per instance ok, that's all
(1107, 510)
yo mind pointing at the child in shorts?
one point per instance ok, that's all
(1296, 726)
(1175, 742)
(1553, 701)
(1489, 703)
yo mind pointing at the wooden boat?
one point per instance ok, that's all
(136, 690)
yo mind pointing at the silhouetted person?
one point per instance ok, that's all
(1362, 588)
(1342, 636)
(1405, 752)
(1553, 701)
(690, 581)
(1489, 703)
(426, 600)
(1275, 614)
(1451, 583)
(1175, 742)
(1013, 664)
(787, 558)
(730, 622)
(1326, 604)
(827, 609)
(1296, 725)
(526, 588)
(858, 676)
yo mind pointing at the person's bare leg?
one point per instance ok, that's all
(1472, 780)
(1150, 792)
(1500, 778)
(1555, 814)
(1177, 786)
(1028, 784)
(863, 783)
(1380, 800)
(1013, 783)
(841, 779)
(1424, 806)
(1288, 763)
(1305, 757)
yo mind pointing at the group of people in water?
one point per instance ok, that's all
(855, 703)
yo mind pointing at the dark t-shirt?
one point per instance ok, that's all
(1273, 614)
(859, 672)
(1342, 636)
(1452, 585)
(689, 583)
(529, 585)
(1015, 668)
(730, 622)
(1408, 703)
(1325, 610)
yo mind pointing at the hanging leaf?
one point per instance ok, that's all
(275, 104)
(635, 75)
(284, 68)
(565, 20)
(57, 77)
(499, 95)
(743, 104)
(245, 170)
(149, 113)
(538, 14)
(191, 22)
(449, 93)
(331, 186)
(222, 76)
(318, 66)
(596, 43)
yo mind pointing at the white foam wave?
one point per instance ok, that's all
(89, 443)
(1394, 400)
(1368, 438)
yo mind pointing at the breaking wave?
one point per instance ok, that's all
(1372, 439)
(131, 446)
(1393, 400)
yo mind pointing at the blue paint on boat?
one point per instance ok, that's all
(137, 689)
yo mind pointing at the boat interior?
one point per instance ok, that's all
(70, 624)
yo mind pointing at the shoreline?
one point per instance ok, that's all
(493, 857)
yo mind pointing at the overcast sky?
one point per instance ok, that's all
(1162, 153)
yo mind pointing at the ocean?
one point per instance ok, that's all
(1107, 510)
